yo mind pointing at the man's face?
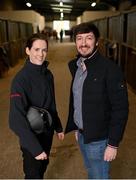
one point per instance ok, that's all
(38, 52)
(85, 43)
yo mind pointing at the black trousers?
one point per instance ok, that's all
(35, 169)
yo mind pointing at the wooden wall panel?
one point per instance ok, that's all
(131, 29)
(116, 28)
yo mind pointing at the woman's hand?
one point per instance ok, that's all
(41, 156)
(60, 136)
(76, 135)
(110, 153)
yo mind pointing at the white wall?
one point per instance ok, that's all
(49, 24)
(25, 16)
(93, 15)
(79, 19)
(72, 24)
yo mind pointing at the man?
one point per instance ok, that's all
(61, 35)
(98, 103)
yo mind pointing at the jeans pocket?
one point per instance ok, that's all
(95, 150)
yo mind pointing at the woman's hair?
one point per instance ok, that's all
(86, 28)
(34, 37)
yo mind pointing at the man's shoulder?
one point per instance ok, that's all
(107, 62)
(72, 66)
(111, 67)
(72, 62)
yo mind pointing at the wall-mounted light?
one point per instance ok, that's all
(28, 4)
(93, 4)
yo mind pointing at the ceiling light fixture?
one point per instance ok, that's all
(58, 9)
(93, 4)
(61, 3)
(64, 6)
(61, 15)
(61, 10)
(28, 4)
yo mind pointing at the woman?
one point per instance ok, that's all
(34, 86)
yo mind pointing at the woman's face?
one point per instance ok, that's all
(38, 52)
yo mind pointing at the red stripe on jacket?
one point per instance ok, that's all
(15, 95)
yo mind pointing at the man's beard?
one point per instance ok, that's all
(89, 54)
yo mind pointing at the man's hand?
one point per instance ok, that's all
(110, 153)
(41, 156)
(60, 136)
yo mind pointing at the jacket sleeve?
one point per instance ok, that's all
(118, 96)
(70, 126)
(54, 113)
(18, 121)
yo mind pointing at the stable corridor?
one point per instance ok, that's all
(65, 160)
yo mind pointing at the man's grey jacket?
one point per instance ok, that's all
(104, 101)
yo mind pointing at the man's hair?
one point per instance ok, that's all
(34, 37)
(86, 28)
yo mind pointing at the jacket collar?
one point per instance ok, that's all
(35, 67)
(91, 59)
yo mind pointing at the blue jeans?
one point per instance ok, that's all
(93, 154)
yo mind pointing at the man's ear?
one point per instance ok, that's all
(97, 44)
(27, 51)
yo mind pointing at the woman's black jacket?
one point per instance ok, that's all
(104, 101)
(32, 86)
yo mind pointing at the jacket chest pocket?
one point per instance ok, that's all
(95, 84)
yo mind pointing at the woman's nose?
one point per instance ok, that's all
(40, 52)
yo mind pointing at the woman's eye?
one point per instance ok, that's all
(44, 50)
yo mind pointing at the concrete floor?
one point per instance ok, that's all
(65, 160)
